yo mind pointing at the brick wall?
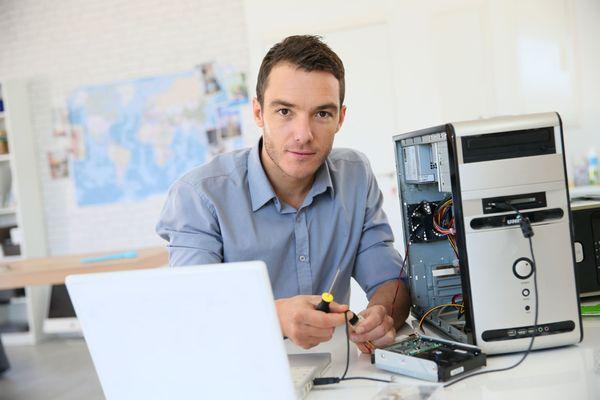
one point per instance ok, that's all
(60, 46)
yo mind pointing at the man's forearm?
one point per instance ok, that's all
(384, 295)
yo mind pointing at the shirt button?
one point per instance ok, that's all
(302, 258)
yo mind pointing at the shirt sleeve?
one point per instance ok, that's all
(377, 260)
(189, 223)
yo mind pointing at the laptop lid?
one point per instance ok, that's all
(191, 332)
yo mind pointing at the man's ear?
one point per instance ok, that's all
(257, 113)
(342, 118)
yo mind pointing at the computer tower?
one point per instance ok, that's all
(586, 242)
(469, 267)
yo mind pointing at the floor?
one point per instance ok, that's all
(54, 369)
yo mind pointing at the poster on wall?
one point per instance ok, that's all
(58, 156)
(133, 139)
(58, 163)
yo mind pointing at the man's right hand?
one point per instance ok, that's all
(306, 326)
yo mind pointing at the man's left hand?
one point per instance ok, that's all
(377, 327)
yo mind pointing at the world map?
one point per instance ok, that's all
(141, 135)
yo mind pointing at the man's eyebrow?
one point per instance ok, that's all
(327, 106)
(281, 103)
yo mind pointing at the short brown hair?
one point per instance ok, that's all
(308, 53)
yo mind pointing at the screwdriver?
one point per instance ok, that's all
(327, 298)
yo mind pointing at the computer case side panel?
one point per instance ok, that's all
(460, 233)
(571, 225)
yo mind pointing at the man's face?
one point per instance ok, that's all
(300, 117)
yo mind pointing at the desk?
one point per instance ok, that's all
(571, 372)
(53, 270)
(565, 373)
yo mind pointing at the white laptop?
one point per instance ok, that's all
(200, 332)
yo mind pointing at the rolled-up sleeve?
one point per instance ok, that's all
(189, 223)
(377, 260)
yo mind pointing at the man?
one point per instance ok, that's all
(293, 202)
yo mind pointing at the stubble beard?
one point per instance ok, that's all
(275, 157)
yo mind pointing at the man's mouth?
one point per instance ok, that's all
(301, 154)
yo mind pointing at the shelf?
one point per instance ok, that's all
(8, 210)
(18, 338)
(28, 214)
(18, 300)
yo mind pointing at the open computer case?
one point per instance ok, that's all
(469, 267)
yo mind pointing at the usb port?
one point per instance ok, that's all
(512, 332)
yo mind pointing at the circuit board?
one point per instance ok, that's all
(413, 345)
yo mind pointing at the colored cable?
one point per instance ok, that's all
(432, 309)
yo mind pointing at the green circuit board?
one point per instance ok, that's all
(413, 345)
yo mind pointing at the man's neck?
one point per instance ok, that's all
(289, 189)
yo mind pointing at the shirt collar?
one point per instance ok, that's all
(261, 191)
(321, 183)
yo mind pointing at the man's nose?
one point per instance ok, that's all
(302, 130)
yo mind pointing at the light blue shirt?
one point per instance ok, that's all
(227, 211)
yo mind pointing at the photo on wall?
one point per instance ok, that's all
(58, 164)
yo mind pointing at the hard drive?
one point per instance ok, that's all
(429, 358)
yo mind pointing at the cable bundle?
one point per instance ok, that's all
(443, 222)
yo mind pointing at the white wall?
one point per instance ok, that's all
(587, 44)
(69, 43)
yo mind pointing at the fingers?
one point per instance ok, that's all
(306, 326)
(386, 340)
(316, 333)
(313, 299)
(373, 316)
(320, 319)
(338, 308)
(307, 336)
(333, 306)
(379, 331)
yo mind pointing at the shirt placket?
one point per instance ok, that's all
(302, 253)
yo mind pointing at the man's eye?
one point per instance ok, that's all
(323, 114)
(284, 111)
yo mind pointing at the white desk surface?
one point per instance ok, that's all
(571, 372)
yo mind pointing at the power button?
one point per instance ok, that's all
(523, 268)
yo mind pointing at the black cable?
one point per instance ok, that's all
(328, 380)
(402, 272)
(366, 378)
(527, 233)
(347, 347)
